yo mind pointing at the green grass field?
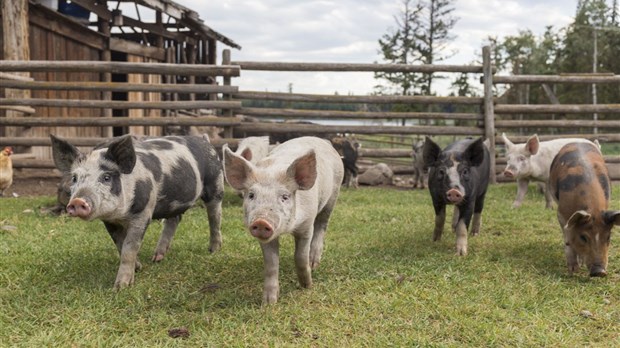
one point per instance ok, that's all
(382, 282)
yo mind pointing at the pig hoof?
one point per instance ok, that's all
(516, 205)
(269, 299)
(461, 251)
(157, 257)
(138, 266)
(215, 247)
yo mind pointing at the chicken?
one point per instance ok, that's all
(6, 169)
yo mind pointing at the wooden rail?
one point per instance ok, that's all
(352, 67)
(104, 104)
(283, 128)
(333, 114)
(556, 109)
(369, 99)
(587, 79)
(557, 123)
(119, 87)
(119, 67)
(117, 121)
(87, 142)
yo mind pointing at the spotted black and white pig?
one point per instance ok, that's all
(531, 161)
(293, 190)
(579, 183)
(458, 175)
(126, 182)
(348, 148)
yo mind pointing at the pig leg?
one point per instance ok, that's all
(461, 230)
(213, 196)
(302, 261)
(271, 257)
(214, 211)
(320, 226)
(440, 219)
(521, 191)
(477, 221)
(129, 253)
(455, 217)
(170, 227)
(572, 261)
(118, 234)
(548, 198)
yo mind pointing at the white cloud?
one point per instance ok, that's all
(347, 31)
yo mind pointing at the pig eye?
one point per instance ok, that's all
(73, 179)
(285, 197)
(441, 172)
(251, 195)
(583, 238)
(107, 177)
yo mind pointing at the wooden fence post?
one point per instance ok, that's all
(228, 131)
(489, 116)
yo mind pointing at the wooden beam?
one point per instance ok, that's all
(556, 109)
(119, 87)
(344, 67)
(335, 114)
(556, 124)
(137, 49)
(268, 128)
(581, 78)
(371, 99)
(102, 104)
(13, 77)
(119, 67)
(119, 121)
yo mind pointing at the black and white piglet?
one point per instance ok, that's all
(126, 182)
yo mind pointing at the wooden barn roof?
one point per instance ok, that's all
(187, 22)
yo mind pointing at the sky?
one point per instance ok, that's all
(347, 31)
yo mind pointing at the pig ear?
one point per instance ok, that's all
(236, 170)
(612, 217)
(507, 141)
(579, 217)
(474, 153)
(303, 171)
(532, 144)
(247, 154)
(122, 153)
(430, 152)
(64, 154)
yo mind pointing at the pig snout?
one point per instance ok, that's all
(78, 207)
(597, 271)
(454, 196)
(508, 174)
(261, 229)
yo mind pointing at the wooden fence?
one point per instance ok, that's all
(228, 103)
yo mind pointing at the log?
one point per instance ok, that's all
(266, 128)
(489, 112)
(370, 99)
(22, 109)
(556, 123)
(587, 79)
(87, 142)
(119, 87)
(356, 67)
(327, 114)
(102, 104)
(119, 67)
(523, 138)
(379, 152)
(119, 121)
(556, 109)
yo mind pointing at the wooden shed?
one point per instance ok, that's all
(139, 31)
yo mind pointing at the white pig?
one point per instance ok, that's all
(253, 149)
(293, 190)
(531, 161)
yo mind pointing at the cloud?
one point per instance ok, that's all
(347, 31)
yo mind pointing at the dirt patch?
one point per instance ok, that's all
(33, 182)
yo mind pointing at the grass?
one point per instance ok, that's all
(382, 282)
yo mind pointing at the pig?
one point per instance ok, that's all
(458, 175)
(420, 171)
(126, 183)
(293, 190)
(349, 151)
(253, 149)
(579, 183)
(531, 161)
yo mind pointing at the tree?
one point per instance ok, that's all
(400, 46)
(421, 35)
